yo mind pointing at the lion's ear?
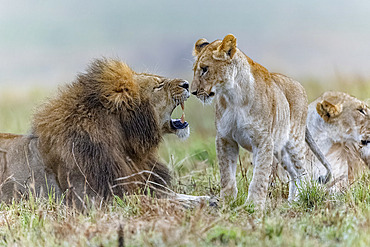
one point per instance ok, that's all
(327, 110)
(199, 45)
(227, 48)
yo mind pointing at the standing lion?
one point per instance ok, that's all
(260, 111)
(98, 137)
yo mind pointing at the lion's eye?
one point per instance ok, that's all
(362, 111)
(159, 87)
(204, 70)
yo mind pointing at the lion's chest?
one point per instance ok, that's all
(234, 123)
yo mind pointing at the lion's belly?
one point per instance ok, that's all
(244, 138)
(238, 125)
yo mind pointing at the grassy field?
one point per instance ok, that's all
(316, 219)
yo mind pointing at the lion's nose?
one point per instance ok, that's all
(185, 85)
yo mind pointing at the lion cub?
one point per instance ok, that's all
(260, 111)
(340, 125)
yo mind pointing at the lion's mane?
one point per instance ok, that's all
(100, 128)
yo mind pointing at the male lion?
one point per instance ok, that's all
(99, 136)
(340, 125)
(261, 111)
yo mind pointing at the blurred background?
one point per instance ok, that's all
(45, 43)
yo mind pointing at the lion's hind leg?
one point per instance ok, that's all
(293, 158)
(263, 162)
(287, 164)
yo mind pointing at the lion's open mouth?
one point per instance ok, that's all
(179, 123)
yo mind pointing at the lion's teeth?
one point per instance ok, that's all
(183, 112)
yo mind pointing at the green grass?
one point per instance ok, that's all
(315, 219)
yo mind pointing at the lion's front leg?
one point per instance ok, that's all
(262, 160)
(227, 154)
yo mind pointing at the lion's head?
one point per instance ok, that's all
(106, 127)
(123, 88)
(214, 66)
(166, 94)
(347, 119)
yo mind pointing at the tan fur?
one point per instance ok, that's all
(340, 125)
(260, 111)
(98, 136)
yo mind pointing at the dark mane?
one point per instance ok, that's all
(101, 126)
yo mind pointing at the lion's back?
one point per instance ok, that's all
(22, 168)
(296, 97)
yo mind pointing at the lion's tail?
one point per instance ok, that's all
(316, 150)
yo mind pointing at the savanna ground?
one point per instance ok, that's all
(316, 219)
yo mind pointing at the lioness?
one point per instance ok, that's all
(263, 112)
(340, 125)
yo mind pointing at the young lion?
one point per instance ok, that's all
(340, 125)
(262, 112)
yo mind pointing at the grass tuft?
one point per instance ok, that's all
(312, 195)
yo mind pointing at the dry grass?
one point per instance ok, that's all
(317, 219)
